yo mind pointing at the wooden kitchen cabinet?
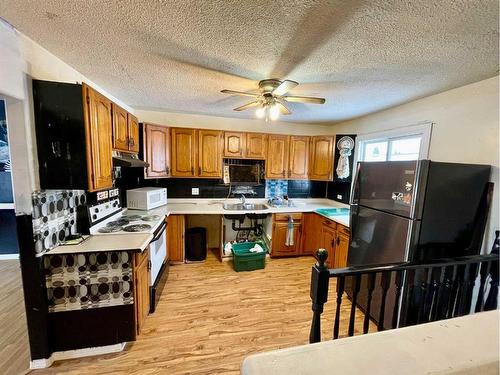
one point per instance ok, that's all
(277, 157)
(321, 158)
(133, 133)
(120, 128)
(311, 233)
(298, 158)
(280, 228)
(256, 145)
(175, 238)
(183, 152)
(210, 153)
(98, 134)
(142, 270)
(234, 144)
(125, 130)
(335, 239)
(156, 140)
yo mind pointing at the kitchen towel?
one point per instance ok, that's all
(289, 232)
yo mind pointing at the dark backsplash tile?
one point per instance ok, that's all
(342, 188)
(306, 189)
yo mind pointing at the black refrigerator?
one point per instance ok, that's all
(414, 211)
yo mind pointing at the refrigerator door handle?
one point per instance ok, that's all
(355, 188)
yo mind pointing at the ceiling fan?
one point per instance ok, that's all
(271, 100)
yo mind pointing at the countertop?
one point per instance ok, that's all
(214, 207)
(198, 206)
(106, 242)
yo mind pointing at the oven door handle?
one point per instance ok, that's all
(159, 231)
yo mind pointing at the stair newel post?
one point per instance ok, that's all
(320, 278)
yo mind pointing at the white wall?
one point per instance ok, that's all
(234, 124)
(466, 129)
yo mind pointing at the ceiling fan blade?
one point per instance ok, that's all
(248, 105)
(232, 92)
(304, 99)
(284, 87)
(283, 108)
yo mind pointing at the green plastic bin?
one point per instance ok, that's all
(244, 260)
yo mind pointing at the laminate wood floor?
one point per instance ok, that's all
(210, 318)
(14, 346)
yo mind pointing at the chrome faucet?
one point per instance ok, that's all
(243, 199)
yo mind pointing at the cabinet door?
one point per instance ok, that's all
(175, 238)
(183, 152)
(234, 144)
(133, 133)
(142, 295)
(321, 160)
(328, 238)
(120, 128)
(312, 233)
(299, 157)
(210, 153)
(279, 247)
(341, 249)
(98, 122)
(277, 157)
(256, 145)
(157, 151)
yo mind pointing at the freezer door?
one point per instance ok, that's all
(386, 186)
(378, 237)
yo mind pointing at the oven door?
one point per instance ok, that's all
(158, 252)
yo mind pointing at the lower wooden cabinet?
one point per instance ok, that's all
(335, 239)
(175, 238)
(141, 291)
(280, 228)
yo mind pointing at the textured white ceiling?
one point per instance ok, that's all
(177, 55)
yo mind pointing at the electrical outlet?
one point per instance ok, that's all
(339, 196)
(195, 191)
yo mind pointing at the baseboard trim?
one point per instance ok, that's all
(78, 353)
(9, 256)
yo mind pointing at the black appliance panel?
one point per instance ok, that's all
(386, 186)
(452, 210)
(377, 237)
(60, 135)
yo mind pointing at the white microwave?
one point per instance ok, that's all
(146, 198)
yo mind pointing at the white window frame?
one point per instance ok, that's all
(423, 130)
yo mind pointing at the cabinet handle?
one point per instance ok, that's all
(199, 171)
(283, 173)
(338, 241)
(333, 243)
(167, 170)
(192, 171)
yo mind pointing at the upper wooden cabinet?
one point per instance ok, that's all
(277, 157)
(120, 128)
(234, 144)
(321, 158)
(125, 130)
(245, 145)
(183, 152)
(156, 140)
(209, 153)
(133, 133)
(98, 130)
(298, 158)
(256, 145)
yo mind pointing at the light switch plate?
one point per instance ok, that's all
(339, 196)
(195, 191)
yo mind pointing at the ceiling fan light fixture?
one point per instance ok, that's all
(260, 112)
(274, 112)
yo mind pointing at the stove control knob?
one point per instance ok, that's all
(94, 216)
(96, 210)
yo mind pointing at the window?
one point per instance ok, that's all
(410, 143)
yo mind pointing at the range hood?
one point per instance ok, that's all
(128, 160)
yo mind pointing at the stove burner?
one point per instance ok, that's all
(133, 217)
(137, 228)
(118, 222)
(110, 229)
(151, 218)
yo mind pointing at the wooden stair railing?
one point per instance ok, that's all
(441, 289)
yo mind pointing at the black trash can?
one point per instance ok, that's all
(196, 244)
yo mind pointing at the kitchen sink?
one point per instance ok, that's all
(244, 206)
